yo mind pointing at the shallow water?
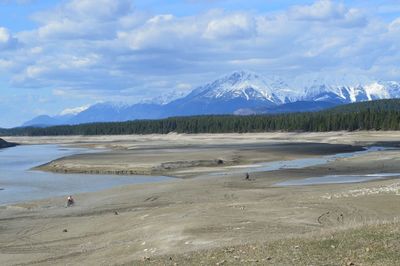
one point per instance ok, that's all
(18, 183)
(337, 179)
(308, 162)
(298, 163)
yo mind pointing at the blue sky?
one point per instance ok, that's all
(60, 56)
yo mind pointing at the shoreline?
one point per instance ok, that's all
(4, 144)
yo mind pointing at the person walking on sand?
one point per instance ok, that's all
(247, 176)
(70, 201)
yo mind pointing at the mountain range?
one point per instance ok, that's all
(241, 93)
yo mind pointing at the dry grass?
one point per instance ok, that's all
(372, 244)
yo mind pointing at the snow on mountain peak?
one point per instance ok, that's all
(74, 111)
(240, 84)
(166, 98)
(376, 91)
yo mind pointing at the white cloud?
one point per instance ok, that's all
(111, 48)
(234, 26)
(162, 32)
(320, 10)
(328, 11)
(4, 35)
(5, 64)
(35, 71)
(394, 26)
(7, 41)
(184, 86)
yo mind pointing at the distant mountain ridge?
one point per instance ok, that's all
(371, 115)
(241, 92)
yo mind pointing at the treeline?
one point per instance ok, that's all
(376, 115)
(375, 106)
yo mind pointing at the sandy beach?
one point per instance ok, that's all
(196, 217)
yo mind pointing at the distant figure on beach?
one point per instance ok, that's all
(247, 176)
(70, 201)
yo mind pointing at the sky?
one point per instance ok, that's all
(58, 57)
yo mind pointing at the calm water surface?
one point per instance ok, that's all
(19, 183)
(297, 163)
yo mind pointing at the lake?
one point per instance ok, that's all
(19, 183)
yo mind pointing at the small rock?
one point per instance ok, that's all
(220, 263)
(116, 213)
(236, 257)
(230, 250)
(332, 246)
(350, 263)
(170, 258)
(65, 230)
(146, 258)
(296, 247)
(269, 258)
(367, 249)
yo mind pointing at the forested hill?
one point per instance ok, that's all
(374, 115)
(374, 106)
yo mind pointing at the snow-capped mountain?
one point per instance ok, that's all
(349, 94)
(166, 98)
(241, 84)
(241, 92)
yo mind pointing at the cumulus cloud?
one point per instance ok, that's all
(107, 46)
(4, 35)
(6, 40)
(320, 10)
(329, 11)
(395, 25)
(235, 26)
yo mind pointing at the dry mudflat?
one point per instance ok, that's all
(204, 219)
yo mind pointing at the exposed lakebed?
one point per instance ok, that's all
(338, 179)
